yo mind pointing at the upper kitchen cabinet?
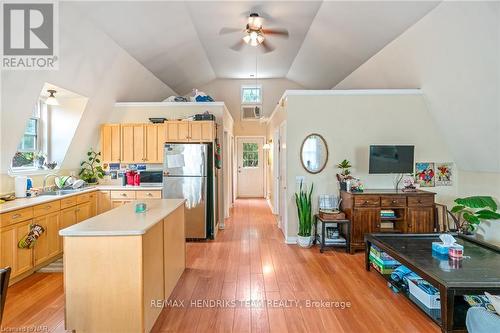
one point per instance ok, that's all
(111, 143)
(133, 142)
(190, 131)
(155, 136)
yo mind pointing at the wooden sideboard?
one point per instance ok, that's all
(414, 213)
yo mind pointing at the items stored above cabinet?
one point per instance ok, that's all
(143, 143)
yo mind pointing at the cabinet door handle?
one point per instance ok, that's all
(15, 216)
(123, 194)
(49, 207)
(149, 194)
(394, 201)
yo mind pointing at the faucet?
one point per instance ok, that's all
(45, 180)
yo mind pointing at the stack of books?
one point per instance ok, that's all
(332, 236)
(387, 213)
(381, 261)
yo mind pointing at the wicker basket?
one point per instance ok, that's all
(331, 216)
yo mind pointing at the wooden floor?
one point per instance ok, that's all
(266, 283)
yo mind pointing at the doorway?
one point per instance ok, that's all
(282, 180)
(250, 167)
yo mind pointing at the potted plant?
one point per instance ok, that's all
(345, 174)
(304, 209)
(469, 212)
(39, 159)
(91, 170)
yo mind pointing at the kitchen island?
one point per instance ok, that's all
(118, 264)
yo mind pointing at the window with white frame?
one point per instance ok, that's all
(251, 94)
(31, 145)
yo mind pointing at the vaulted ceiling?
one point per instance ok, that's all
(179, 42)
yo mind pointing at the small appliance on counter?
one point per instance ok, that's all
(151, 178)
(20, 186)
(132, 178)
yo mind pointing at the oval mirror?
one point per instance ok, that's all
(314, 153)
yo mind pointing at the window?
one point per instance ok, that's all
(251, 94)
(30, 142)
(250, 155)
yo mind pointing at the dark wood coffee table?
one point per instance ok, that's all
(478, 272)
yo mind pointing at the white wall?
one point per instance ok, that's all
(453, 55)
(228, 90)
(91, 65)
(349, 125)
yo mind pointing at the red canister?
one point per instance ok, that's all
(137, 179)
(456, 252)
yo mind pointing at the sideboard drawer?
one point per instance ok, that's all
(421, 201)
(393, 201)
(366, 201)
(16, 216)
(44, 209)
(122, 194)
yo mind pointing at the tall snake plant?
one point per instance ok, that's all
(304, 208)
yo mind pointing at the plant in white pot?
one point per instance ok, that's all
(304, 209)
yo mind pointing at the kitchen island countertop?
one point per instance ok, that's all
(124, 221)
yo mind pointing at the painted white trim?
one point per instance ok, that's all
(31, 172)
(352, 92)
(270, 206)
(164, 104)
(291, 240)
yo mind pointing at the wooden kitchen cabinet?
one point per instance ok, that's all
(93, 203)
(20, 260)
(177, 131)
(48, 245)
(202, 131)
(118, 203)
(132, 143)
(67, 217)
(83, 212)
(155, 136)
(103, 201)
(111, 143)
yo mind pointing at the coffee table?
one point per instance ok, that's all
(478, 272)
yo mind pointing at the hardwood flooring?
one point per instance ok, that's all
(249, 265)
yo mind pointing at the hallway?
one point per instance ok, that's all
(250, 262)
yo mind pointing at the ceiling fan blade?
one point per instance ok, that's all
(266, 47)
(276, 32)
(226, 30)
(238, 45)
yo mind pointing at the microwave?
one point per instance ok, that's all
(151, 178)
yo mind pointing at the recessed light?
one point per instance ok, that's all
(252, 75)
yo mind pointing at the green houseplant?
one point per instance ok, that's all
(91, 170)
(345, 174)
(304, 210)
(470, 211)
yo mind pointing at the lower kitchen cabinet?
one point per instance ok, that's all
(93, 204)
(83, 212)
(48, 245)
(420, 220)
(103, 201)
(20, 260)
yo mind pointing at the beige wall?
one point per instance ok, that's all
(349, 125)
(228, 90)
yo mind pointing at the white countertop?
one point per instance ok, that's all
(20, 203)
(123, 220)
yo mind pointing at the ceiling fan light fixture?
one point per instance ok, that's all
(51, 100)
(253, 38)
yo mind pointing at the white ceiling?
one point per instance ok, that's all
(179, 41)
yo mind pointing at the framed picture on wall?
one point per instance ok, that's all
(425, 174)
(444, 174)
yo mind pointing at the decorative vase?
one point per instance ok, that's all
(343, 186)
(304, 241)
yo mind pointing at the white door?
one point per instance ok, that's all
(276, 173)
(250, 167)
(282, 181)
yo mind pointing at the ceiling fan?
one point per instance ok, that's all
(255, 34)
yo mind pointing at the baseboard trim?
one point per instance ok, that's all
(270, 205)
(291, 240)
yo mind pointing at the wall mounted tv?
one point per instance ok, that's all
(385, 159)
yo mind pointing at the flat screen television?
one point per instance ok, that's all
(385, 159)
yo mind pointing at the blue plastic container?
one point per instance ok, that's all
(440, 248)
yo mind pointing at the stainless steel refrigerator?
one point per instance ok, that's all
(188, 174)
